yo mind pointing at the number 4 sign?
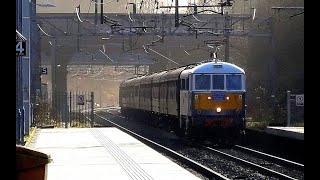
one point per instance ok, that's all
(20, 48)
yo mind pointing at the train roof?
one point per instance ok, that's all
(157, 76)
(125, 83)
(173, 75)
(136, 81)
(147, 79)
(129, 82)
(212, 67)
(209, 66)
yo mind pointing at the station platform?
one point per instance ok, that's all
(103, 153)
(289, 132)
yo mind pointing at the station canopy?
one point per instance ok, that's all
(20, 37)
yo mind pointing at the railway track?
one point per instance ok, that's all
(272, 158)
(265, 167)
(189, 162)
(241, 167)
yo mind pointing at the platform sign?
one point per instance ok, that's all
(20, 48)
(80, 99)
(300, 100)
(44, 70)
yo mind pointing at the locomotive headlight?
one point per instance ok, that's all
(227, 97)
(209, 97)
(218, 109)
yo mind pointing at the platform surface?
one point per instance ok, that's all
(289, 132)
(103, 153)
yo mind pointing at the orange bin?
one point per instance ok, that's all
(31, 164)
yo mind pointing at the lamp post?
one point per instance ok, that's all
(100, 96)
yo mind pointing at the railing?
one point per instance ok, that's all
(64, 109)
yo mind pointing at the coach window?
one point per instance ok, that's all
(136, 91)
(187, 84)
(202, 82)
(149, 91)
(164, 91)
(142, 91)
(161, 92)
(233, 82)
(173, 93)
(156, 92)
(183, 84)
(217, 81)
(153, 92)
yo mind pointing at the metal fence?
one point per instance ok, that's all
(64, 109)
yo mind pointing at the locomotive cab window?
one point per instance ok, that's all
(218, 81)
(233, 82)
(202, 82)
